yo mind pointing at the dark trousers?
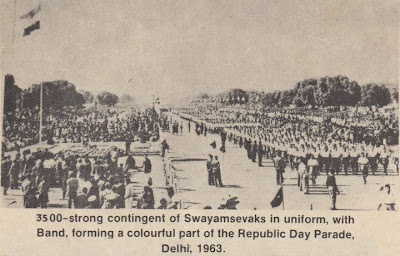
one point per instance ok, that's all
(218, 180)
(253, 157)
(279, 177)
(354, 165)
(314, 174)
(336, 165)
(326, 164)
(365, 173)
(291, 161)
(72, 196)
(373, 163)
(346, 163)
(211, 178)
(259, 159)
(43, 199)
(14, 182)
(385, 163)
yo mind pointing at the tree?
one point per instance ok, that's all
(287, 98)
(298, 102)
(353, 96)
(12, 94)
(107, 98)
(88, 96)
(307, 95)
(375, 95)
(234, 96)
(56, 95)
(126, 99)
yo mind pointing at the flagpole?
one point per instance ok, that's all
(41, 113)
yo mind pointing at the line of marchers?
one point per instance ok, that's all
(294, 233)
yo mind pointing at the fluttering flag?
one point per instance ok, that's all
(31, 13)
(33, 27)
(213, 145)
(278, 199)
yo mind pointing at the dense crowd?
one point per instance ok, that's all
(102, 125)
(20, 128)
(72, 125)
(101, 181)
(87, 179)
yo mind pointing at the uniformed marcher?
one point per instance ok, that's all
(303, 175)
(260, 153)
(313, 169)
(254, 152)
(345, 160)
(373, 159)
(384, 155)
(216, 168)
(146, 165)
(363, 165)
(332, 188)
(354, 160)
(210, 171)
(280, 166)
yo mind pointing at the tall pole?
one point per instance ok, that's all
(41, 113)
(283, 200)
(14, 21)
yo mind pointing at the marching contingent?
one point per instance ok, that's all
(310, 146)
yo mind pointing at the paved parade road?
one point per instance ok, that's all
(256, 186)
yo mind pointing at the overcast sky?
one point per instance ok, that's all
(176, 48)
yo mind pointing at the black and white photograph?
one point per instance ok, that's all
(200, 105)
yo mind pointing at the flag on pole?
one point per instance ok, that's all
(213, 145)
(31, 13)
(278, 199)
(26, 20)
(33, 27)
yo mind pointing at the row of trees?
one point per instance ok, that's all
(56, 95)
(322, 92)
